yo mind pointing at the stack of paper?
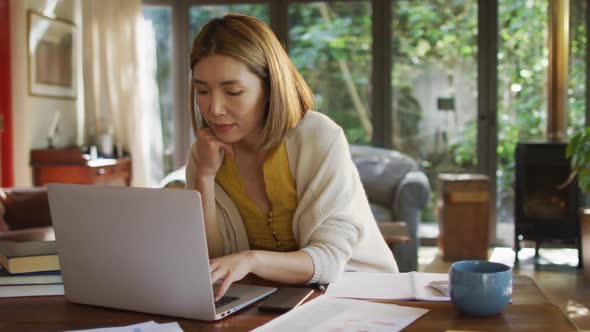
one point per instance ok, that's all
(333, 314)
(388, 286)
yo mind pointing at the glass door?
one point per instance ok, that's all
(434, 82)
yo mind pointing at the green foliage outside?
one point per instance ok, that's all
(330, 44)
(435, 36)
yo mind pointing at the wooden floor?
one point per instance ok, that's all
(555, 272)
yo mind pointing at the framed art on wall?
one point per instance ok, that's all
(51, 56)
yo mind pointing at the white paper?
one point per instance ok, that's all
(150, 326)
(343, 315)
(129, 328)
(387, 286)
(31, 290)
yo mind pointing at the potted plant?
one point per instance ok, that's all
(578, 152)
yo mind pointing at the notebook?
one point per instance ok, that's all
(390, 286)
(28, 256)
(140, 249)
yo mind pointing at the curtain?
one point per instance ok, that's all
(120, 95)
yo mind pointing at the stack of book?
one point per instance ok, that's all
(29, 269)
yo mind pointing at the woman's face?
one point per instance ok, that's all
(231, 99)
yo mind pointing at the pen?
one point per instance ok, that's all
(321, 288)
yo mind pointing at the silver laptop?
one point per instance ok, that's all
(139, 249)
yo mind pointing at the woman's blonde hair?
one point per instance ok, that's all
(252, 42)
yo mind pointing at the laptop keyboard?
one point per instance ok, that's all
(225, 300)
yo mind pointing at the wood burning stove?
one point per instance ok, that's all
(545, 210)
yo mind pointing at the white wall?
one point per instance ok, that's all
(429, 82)
(32, 115)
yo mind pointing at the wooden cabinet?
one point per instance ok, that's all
(73, 166)
(463, 209)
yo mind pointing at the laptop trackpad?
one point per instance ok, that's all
(241, 295)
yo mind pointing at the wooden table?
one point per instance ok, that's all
(530, 311)
(394, 232)
(70, 165)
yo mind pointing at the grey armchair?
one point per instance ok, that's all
(397, 191)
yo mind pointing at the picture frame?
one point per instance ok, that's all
(51, 56)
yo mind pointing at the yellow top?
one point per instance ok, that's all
(275, 230)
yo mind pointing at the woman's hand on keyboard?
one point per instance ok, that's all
(230, 268)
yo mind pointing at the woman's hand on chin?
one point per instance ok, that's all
(210, 152)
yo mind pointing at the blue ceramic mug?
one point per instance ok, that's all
(480, 288)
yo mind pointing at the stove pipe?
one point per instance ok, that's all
(558, 70)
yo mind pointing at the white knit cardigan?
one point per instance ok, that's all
(333, 222)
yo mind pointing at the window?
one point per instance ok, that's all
(330, 44)
(161, 20)
(434, 85)
(434, 79)
(426, 102)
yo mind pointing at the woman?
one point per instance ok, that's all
(281, 196)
